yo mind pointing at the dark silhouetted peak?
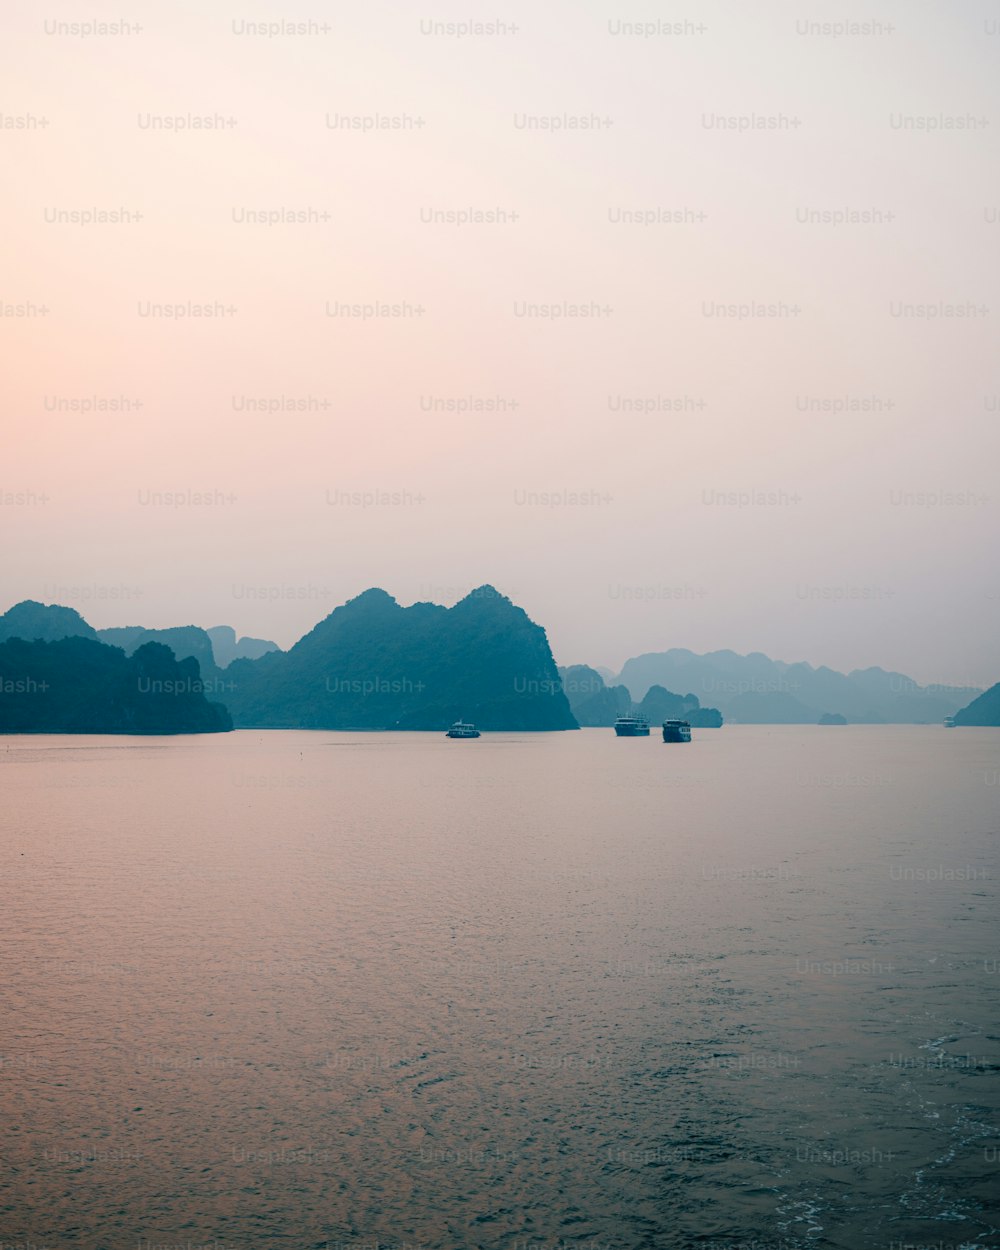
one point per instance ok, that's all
(486, 594)
(352, 619)
(982, 711)
(375, 597)
(82, 686)
(372, 664)
(487, 601)
(49, 622)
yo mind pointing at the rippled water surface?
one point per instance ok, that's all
(526, 992)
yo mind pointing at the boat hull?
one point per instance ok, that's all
(631, 731)
(676, 733)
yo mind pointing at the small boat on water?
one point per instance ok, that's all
(676, 731)
(949, 722)
(461, 729)
(632, 727)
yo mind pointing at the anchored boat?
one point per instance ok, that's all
(461, 729)
(676, 731)
(632, 727)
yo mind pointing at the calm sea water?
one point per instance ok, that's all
(527, 992)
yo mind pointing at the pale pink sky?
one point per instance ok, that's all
(876, 541)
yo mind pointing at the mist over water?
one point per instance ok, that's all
(339, 990)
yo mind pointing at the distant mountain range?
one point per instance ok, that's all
(596, 704)
(753, 689)
(185, 641)
(373, 664)
(214, 648)
(226, 647)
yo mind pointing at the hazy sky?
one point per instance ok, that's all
(816, 480)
